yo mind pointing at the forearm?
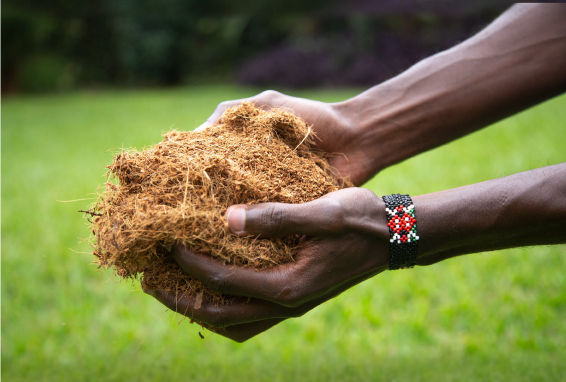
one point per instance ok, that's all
(524, 209)
(516, 62)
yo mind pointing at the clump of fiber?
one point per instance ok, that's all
(178, 191)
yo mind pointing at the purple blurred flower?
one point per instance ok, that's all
(286, 67)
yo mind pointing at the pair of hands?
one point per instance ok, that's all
(345, 239)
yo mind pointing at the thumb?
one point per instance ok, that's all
(316, 218)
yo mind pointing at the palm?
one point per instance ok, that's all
(337, 138)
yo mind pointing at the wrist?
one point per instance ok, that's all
(430, 231)
(392, 120)
(360, 117)
(448, 224)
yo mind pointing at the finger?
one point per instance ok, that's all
(339, 212)
(263, 99)
(293, 286)
(243, 310)
(238, 311)
(319, 217)
(272, 284)
(213, 119)
(244, 332)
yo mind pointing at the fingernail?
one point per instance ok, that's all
(236, 216)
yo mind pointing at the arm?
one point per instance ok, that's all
(515, 63)
(521, 210)
(348, 242)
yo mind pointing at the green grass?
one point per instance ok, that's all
(492, 317)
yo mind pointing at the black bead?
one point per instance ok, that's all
(402, 255)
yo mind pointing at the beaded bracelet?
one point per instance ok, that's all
(402, 224)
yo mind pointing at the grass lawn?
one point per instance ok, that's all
(497, 316)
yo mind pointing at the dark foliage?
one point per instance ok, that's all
(54, 45)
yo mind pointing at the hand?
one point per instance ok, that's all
(351, 151)
(346, 242)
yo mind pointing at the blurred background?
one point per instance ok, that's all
(81, 78)
(62, 45)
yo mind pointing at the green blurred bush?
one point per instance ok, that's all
(45, 72)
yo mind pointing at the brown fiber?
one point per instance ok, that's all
(177, 192)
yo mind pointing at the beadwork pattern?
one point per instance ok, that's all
(402, 224)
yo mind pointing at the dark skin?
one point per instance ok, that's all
(516, 62)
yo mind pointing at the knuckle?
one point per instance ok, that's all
(290, 297)
(292, 301)
(269, 94)
(272, 218)
(217, 320)
(296, 313)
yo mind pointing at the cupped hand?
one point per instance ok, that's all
(345, 242)
(350, 151)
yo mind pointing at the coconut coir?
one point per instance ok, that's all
(178, 191)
